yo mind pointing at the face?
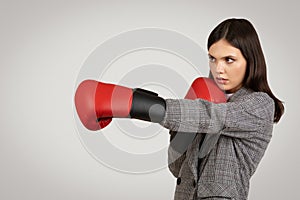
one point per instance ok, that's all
(227, 65)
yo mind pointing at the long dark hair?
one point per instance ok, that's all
(241, 34)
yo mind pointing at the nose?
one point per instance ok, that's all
(220, 68)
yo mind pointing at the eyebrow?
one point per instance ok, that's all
(228, 56)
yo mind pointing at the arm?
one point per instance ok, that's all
(97, 102)
(250, 114)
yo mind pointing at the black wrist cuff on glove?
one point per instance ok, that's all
(148, 106)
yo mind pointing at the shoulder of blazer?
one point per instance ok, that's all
(240, 94)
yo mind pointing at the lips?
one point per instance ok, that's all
(221, 80)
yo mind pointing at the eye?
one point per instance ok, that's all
(211, 59)
(229, 60)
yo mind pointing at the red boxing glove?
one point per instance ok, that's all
(96, 103)
(205, 88)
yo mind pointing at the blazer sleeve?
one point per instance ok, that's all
(251, 114)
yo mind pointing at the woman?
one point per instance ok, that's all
(221, 167)
(228, 140)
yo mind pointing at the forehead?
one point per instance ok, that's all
(223, 48)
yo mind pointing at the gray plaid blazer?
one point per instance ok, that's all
(238, 134)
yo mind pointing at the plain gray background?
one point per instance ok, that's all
(43, 45)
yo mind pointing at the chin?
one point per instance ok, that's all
(222, 86)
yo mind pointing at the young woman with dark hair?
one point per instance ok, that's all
(231, 137)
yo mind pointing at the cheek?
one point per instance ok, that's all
(212, 67)
(239, 72)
